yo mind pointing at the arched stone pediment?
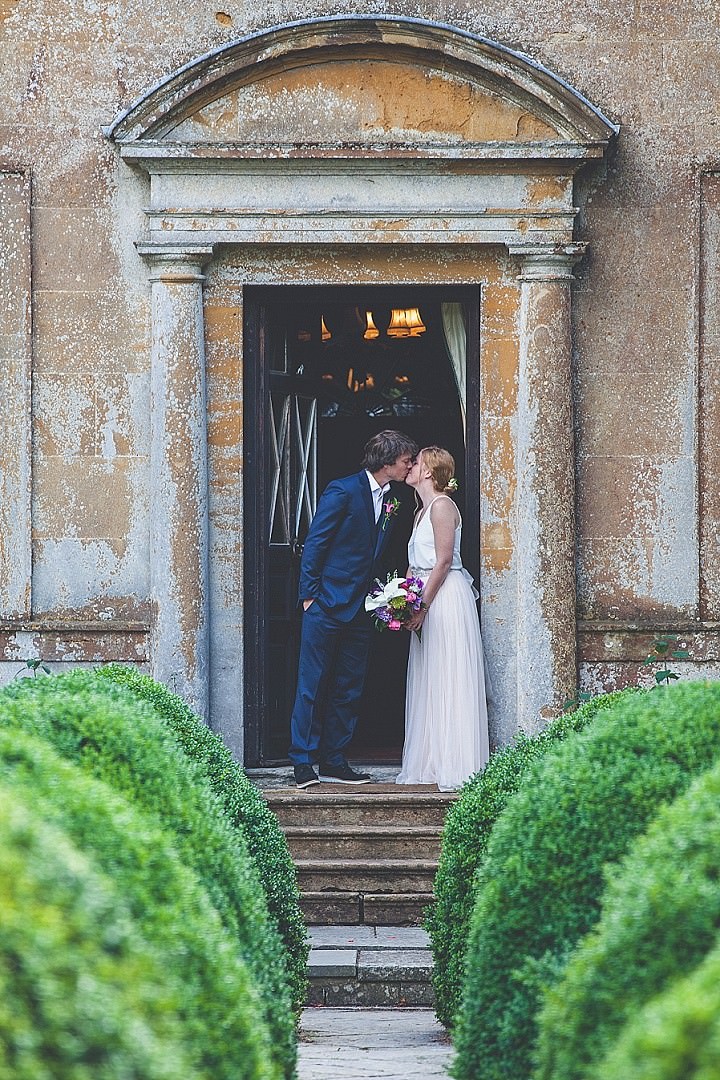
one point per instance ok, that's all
(362, 80)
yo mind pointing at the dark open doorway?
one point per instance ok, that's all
(325, 368)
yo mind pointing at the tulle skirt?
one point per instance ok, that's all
(446, 728)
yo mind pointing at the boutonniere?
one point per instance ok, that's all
(390, 508)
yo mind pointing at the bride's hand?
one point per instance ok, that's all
(417, 620)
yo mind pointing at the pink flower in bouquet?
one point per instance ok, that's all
(394, 624)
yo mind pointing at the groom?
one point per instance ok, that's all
(340, 560)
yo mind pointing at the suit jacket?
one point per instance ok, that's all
(342, 553)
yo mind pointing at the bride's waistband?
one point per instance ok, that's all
(429, 569)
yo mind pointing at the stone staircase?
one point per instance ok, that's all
(364, 855)
(369, 966)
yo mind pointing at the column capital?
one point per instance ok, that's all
(548, 262)
(175, 264)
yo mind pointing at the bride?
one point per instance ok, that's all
(446, 730)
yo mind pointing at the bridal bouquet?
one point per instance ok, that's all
(391, 604)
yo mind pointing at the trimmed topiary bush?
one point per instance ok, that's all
(542, 880)
(677, 1035)
(245, 808)
(121, 740)
(208, 985)
(464, 841)
(660, 917)
(81, 995)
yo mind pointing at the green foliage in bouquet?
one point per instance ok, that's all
(542, 880)
(245, 808)
(464, 842)
(81, 994)
(660, 917)
(122, 741)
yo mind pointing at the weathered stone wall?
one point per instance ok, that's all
(645, 329)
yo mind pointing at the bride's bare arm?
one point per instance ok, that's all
(444, 519)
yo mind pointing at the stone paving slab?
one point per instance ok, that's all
(342, 937)
(368, 937)
(365, 1044)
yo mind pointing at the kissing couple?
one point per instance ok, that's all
(446, 731)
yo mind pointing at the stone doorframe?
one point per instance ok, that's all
(421, 190)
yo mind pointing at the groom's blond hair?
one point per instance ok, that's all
(441, 464)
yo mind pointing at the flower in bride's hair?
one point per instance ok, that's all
(452, 484)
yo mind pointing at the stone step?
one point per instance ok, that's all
(364, 841)
(369, 966)
(370, 804)
(332, 908)
(366, 875)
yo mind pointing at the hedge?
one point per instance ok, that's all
(677, 1035)
(541, 884)
(81, 996)
(245, 808)
(211, 990)
(121, 740)
(660, 918)
(464, 841)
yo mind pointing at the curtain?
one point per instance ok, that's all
(453, 321)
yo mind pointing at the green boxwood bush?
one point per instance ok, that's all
(122, 741)
(215, 1002)
(660, 918)
(81, 996)
(465, 836)
(677, 1035)
(542, 880)
(245, 808)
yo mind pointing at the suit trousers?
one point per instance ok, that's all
(331, 676)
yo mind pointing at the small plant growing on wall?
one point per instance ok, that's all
(34, 665)
(663, 651)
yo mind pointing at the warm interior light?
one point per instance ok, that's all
(371, 329)
(324, 332)
(355, 385)
(405, 322)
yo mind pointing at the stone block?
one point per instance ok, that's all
(384, 909)
(394, 965)
(332, 963)
(331, 907)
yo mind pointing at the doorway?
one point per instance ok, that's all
(326, 368)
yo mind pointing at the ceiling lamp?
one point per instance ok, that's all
(371, 330)
(405, 322)
(324, 332)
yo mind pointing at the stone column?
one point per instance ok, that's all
(546, 621)
(179, 475)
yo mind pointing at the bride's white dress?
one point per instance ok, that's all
(446, 729)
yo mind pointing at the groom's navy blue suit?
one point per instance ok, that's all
(341, 558)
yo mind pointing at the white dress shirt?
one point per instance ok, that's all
(377, 493)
